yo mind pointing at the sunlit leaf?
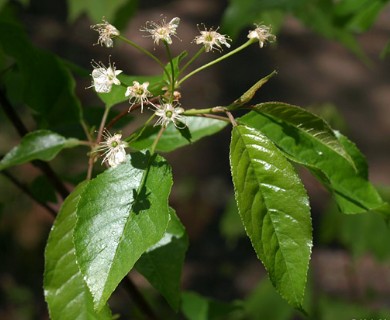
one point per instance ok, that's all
(66, 293)
(347, 181)
(121, 214)
(37, 145)
(274, 209)
(306, 123)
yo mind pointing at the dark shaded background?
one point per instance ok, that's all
(313, 72)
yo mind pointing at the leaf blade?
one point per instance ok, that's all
(306, 122)
(348, 183)
(37, 145)
(66, 293)
(118, 222)
(274, 209)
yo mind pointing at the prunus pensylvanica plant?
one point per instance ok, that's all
(120, 219)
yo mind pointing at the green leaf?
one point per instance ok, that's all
(37, 145)
(173, 138)
(66, 293)
(352, 191)
(117, 93)
(162, 264)
(196, 307)
(274, 209)
(306, 123)
(357, 157)
(121, 214)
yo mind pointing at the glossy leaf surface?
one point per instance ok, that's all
(346, 180)
(306, 123)
(66, 293)
(121, 214)
(274, 209)
(37, 145)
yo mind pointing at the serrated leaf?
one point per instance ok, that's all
(121, 214)
(306, 122)
(173, 138)
(37, 145)
(66, 293)
(352, 191)
(162, 272)
(274, 209)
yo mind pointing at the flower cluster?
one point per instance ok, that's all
(168, 110)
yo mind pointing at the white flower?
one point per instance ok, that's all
(138, 93)
(106, 33)
(262, 33)
(162, 31)
(211, 39)
(113, 149)
(103, 78)
(168, 113)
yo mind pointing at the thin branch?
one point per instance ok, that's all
(22, 130)
(27, 191)
(138, 299)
